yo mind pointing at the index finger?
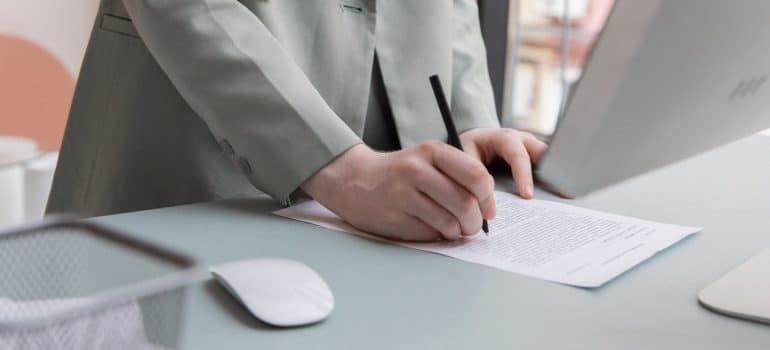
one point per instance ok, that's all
(535, 147)
(467, 171)
(515, 154)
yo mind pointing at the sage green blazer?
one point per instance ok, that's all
(182, 101)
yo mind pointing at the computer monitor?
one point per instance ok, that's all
(666, 80)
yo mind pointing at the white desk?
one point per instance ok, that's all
(392, 297)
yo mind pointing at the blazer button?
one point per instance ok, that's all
(245, 166)
(227, 147)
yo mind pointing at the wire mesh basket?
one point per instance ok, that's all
(68, 284)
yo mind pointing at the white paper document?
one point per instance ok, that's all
(542, 239)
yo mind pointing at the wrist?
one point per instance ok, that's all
(335, 173)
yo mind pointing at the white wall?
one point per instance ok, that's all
(61, 26)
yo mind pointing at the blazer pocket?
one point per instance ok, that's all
(118, 25)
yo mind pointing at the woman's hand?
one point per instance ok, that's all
(519, 149)
(423, 193)
(426, 192)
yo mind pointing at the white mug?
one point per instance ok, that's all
(14, 151)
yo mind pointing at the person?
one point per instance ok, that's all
(326, 99)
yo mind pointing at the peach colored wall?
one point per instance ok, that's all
(35, 92)
(42, 43)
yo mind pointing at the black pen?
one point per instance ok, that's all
(451, 131)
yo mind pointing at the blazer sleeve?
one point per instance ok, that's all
(473, 102)
(255, 99)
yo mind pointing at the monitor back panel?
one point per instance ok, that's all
(666, 80)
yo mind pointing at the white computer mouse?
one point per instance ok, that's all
(280, 292)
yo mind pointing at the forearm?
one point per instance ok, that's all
(237, 77)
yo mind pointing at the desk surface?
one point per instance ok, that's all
(394, 297)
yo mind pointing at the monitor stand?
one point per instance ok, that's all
(743, 292)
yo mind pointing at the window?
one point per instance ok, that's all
(546, 43)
